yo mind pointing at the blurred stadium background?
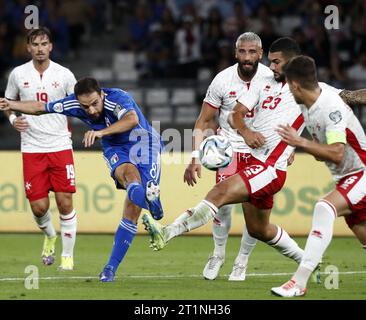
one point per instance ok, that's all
(138, 46)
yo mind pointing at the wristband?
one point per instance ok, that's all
(195, 154)
(12, 118)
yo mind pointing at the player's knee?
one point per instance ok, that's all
(127, 173)
(64, 204)
(39, 209)
(217, 194)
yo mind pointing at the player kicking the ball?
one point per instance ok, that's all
(339, 141)
(131, 148)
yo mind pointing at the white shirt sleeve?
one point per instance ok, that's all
(324, 85)
(69, 82)
(251, 98)
(336, 123)
(12, 90)
(214, 93)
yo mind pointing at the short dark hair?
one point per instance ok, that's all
(33, 33)
(86, 85)
(303, 70)
(287, 46)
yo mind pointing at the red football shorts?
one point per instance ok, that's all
(44, 172)
(239, 162)
(262, 182)
(353, 189)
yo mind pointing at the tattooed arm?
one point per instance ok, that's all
(354, 98)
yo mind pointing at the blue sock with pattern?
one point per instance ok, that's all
(122, 240)
(136, 193)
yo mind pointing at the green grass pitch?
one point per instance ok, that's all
(173, 273)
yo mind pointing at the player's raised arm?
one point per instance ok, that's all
(128, 122)
(333, 152)
(27, 107)
(205, 122)
(236, 120)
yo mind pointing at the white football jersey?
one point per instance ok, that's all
(276, 105)
(49, 132)
(329, 114)
(223, 93)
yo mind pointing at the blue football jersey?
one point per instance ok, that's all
(116, 104)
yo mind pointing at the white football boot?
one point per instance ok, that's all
(239, 270)
(212, 267)
(288, 290)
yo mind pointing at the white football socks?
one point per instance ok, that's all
(286, 245)
(247, 245)
(201, 214)
(318, 240)
(68, 225)
(220, 230)
(45, 224)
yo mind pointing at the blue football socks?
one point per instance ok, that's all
(122, 240)
(136, 193)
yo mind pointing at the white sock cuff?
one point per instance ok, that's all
(327, 206)
(41, 221)
(68, 217)
(277, 237)
(364, 247)
(212, 207)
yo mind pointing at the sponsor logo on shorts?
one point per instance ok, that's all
(348, 182)
(114, 159)
(58, 107)
(253, 170)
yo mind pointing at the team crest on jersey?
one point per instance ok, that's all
(25, 84)
(55, 84)
(107, 122)
(114, 159)
(58, 107)
(267, 87)
(335, 116)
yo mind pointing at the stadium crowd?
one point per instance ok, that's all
(174, 38)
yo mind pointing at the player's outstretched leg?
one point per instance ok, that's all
(198, 216)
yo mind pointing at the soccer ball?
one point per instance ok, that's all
(215, 152)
